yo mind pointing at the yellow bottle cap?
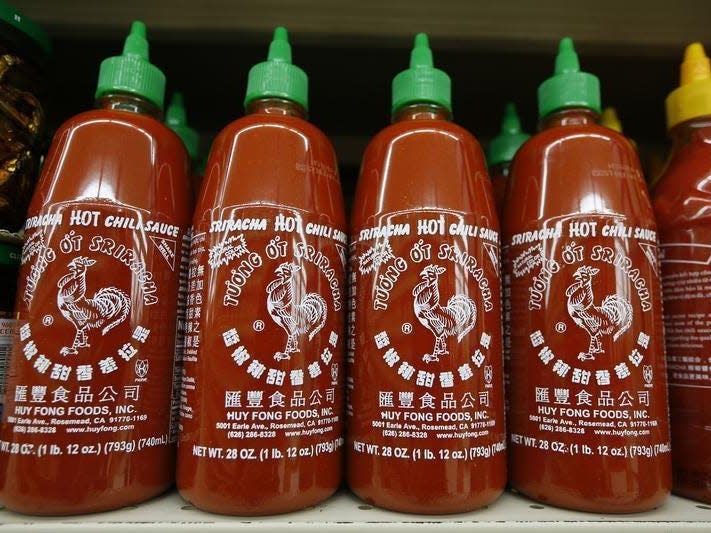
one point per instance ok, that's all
(609, 119)
(693, 97)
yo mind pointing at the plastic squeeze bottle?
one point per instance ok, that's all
(426, 411)
(501, 152)
(588, 417)
(262, 421)
(682, 200)
(87, 425)
(177, 120)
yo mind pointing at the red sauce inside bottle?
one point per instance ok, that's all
(681, 202)
(263, 368)
(88, 420)
(588, 415)
(426, 423)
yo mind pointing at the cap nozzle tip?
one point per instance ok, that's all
(567, 58)
(510, 123)
(696, 65)
(280, 49)
(694, 52)
(177, 100)
(136, 43)
(566, 45)
(281, 34)
(421, 55)
(138, 28)
(421, 40)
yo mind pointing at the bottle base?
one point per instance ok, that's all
(93, 504)
(223, 505)
(440, 506)
(693, 493)
(566, 500)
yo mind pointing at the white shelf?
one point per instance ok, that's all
(344, 512)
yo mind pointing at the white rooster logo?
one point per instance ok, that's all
(297, 315)
(612, 317)
(457, 318)
(106, 309)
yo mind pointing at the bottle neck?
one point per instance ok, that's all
(574, 116)
(130, 103)
(276, 106)
(421, 112)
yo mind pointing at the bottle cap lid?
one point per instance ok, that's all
(609, 119)
(568, 87)
(132, 72)
(176, 119)
(693, 96)
(504, 146)
(277, 77)
(422, 82)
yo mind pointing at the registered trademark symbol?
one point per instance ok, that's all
(47, 320)
(258, 325)
(407, 328)
(560, 327)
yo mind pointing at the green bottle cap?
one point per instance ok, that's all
(176, 119)
(422, 83)
(569, 87)
(132, 72)
(277, 77)
(18, 20)
(504, 146)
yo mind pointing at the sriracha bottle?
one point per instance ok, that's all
(426, 412)
(88, 423)
(262, 428)
(588, 416)
(682, 202)
(501, 152)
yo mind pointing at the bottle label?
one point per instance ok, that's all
(8, 327)
(264, 330)
(686, 270)
(586, 358)
(425, 338)
(93, 355)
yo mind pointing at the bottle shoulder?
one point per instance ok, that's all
(419, 164)
(265, 126)
(115, 156)
(559, 136)
(421, 130)
(574, 171)
(131, 134)
(274, 159)
(682, 196)
(111, 118)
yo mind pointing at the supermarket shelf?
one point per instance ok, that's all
(344, 512)
(514, 23)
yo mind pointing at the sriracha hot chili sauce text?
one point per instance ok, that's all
(426, 422)
(88, 423)
(262, 421)
(588, 417)
(682, 199)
